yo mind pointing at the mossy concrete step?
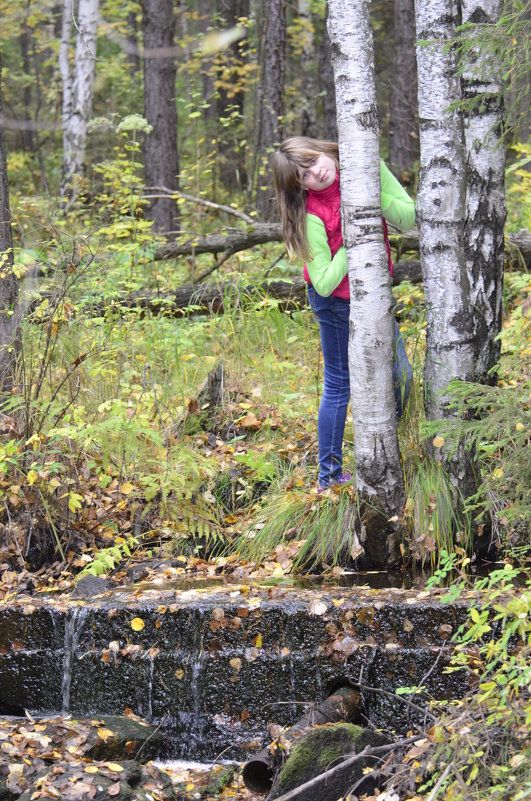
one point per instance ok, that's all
(218, 666)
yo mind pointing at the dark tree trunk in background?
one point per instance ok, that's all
(133, 58)
(327, 87)
(308, 72)
(160, 110)
(270, 103)
(25, 47)
(403, 134)
(207, 21)
(8, 280)
(231, 157)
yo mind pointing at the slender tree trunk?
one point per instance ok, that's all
(327, 88)
(8, 279)
(133, 58)
(231, 102)
(485, 196)
(25, 48)
(308, 65)
(207, 18)
(65, 71)
(161, 164)
(403, 135)
(77, 88)
(371, 343)
(270, 102)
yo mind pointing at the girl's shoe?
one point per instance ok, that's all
(343, 478)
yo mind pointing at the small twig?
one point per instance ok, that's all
(271, 266)
(461, 781)
(217, 264)
(153, 733)
(395, 697)
(433, 795)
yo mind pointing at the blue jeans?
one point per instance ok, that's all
(333, 317)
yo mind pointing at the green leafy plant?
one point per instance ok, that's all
(482, 743)
(106, 559)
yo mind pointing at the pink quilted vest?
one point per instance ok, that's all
(326, 205)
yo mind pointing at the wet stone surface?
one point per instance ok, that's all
(216, 667)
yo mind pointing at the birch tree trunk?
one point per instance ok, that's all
(8, 280)
(485, 191)
(377, 457)
(441, 207)
(77, 87)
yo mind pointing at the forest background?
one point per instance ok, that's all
(146, 413)
(109, 428)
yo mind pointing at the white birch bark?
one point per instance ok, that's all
(371, 342)
(441, 207)
(485, 195)
(65, 70)
(77, 89)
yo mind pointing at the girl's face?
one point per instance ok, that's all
(320, 174)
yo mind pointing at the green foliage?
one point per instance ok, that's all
(106, 559)
(482, 744)
(518, 188)
(494, 423)
(504, 48)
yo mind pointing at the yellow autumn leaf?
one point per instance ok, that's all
(126, 488)
(104, 734)
(114, 766)
(137, 624)
(438, 441)
(91, 769)
(258, 641)
(32, 477)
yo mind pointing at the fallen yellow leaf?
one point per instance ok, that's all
(114, 766)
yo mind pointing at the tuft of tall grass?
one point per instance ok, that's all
(432, 516)
(319, 526)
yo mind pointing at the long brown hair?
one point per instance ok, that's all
(293, 154)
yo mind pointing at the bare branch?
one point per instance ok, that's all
(175, 193)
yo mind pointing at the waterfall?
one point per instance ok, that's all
(73, 626)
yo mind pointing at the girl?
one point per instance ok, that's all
(306, 178)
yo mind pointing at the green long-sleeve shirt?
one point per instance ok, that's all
(327, 272)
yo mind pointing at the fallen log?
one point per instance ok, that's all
(518, 245)
(342, 706)
(237, 239)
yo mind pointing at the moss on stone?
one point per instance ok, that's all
(316, 751)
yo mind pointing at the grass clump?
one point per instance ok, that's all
(302, 530)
